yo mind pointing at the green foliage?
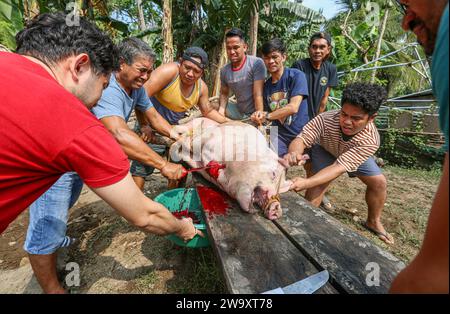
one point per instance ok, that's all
(6, 35)
(10, 22)
(410, 150)
(291, 22)
(347, 56)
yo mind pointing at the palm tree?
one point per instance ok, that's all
(358, 42)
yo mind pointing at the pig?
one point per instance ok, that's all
(254, 175)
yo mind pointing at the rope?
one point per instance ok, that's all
(273, 199)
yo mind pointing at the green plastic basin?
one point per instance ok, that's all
(171, 199)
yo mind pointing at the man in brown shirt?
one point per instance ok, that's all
(345, 141)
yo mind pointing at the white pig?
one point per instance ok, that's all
(253, 174)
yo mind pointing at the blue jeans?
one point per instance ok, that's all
(49, 214)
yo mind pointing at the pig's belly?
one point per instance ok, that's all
(244, 151)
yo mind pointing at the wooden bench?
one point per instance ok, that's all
(258, 255)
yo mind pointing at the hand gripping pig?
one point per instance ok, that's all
(249, 171)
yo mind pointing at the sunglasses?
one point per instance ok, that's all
(403, 7)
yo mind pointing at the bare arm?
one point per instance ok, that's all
(325, 175)
(206, 109)
(324, 101)
(297, 146)
(131, 203)
(295, 157)
(428, 272)
(140, 116)
(223, 99)
(290, 109)
(133, 146)
(160, 78)
(258, 87)
(160, 124)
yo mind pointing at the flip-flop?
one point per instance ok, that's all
(379, 234)
(326, 204)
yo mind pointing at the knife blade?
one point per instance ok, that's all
(306, 286)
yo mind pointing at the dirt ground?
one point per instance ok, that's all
(115, 257)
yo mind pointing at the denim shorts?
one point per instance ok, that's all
(321, 159)
(48, 216)
(140, 170)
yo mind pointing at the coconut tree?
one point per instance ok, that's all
(359, 40)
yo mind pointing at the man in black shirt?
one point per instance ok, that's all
(321, 76)
(320, 73)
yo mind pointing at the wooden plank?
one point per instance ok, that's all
(255, 255)
(333, 246)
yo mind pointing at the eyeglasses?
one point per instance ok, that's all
(403, 7)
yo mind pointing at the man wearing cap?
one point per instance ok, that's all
(175, 88)
(321, 76)
(244, 76)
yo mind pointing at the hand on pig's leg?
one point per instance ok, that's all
(286, 186)
(295, 159)
(299, 184)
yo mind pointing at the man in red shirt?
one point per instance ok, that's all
(47, 129)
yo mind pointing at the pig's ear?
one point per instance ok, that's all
(285, 186)
(284, 163)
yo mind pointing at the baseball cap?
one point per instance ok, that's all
(199, 53)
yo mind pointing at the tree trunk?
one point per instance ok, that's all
(347, 35)
(380, 41)
(30, 9)
(167, 32)
(141, 19)
(221, 61)
(254, 21)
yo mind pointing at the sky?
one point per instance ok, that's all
(329, 7)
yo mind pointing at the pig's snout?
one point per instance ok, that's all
(274, 211)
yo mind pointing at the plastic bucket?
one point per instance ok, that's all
(172, 199)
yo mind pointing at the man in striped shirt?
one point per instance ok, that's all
(345, 141)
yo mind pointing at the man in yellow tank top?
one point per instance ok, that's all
(175, 88)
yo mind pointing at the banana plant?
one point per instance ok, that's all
(11, 21)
